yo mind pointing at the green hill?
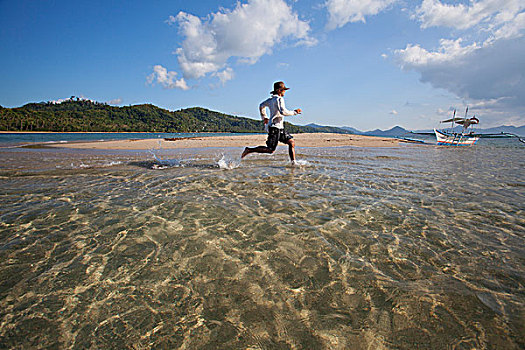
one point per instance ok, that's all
(87, 116)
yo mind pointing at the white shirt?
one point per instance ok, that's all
(277, 111)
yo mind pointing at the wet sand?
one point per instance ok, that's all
(301, 140)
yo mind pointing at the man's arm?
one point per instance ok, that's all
(262, 111)
(283, 110)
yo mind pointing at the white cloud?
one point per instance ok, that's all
(512, 28)
(73, 98)
(225, 75)
(246, 33)
(449, 52)
(341, 12)
(171, 20)
(166, 78)
(115, 101)
(434, 13)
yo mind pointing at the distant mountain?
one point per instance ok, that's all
(395, 131)
(313, 125)
(330, 129)
(504, 129)
(352, 130)
(399, 131)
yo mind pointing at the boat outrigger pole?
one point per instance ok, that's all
(514, 135)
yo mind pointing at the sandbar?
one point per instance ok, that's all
(301, 140)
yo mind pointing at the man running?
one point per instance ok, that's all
(275, 123)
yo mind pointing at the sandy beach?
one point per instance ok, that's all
(301, 140)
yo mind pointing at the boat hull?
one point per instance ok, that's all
(448, 139)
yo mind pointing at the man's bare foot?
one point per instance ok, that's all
(245, 152)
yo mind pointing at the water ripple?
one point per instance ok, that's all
(396, 248)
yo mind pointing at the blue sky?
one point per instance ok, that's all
(361, 63)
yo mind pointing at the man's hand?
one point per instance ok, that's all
(266, 121)
(298, 111)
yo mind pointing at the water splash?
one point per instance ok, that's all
(163, 163)
(301, 163)
(228, 163)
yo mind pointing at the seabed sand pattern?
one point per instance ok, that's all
(358, 248)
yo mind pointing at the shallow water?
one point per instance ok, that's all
(355, 248)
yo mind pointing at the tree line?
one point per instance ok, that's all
(88, 116)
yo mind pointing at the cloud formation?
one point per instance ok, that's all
(489, 72)
(245, 33)
(472, 72)
(341, 12)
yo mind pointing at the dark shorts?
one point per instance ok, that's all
(275, 135)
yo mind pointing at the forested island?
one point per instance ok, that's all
(79, 115)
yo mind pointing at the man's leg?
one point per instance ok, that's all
(291, 149)
(258, 149)
(271, 144)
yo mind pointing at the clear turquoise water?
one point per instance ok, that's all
(413, 247)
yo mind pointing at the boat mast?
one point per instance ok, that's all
(465, 125)
(452, 121)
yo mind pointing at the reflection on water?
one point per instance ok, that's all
(402, 248)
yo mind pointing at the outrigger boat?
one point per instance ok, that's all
(452, 138)
(466, 137)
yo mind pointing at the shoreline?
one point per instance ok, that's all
(251, 140)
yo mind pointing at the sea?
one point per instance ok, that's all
(408, 247)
